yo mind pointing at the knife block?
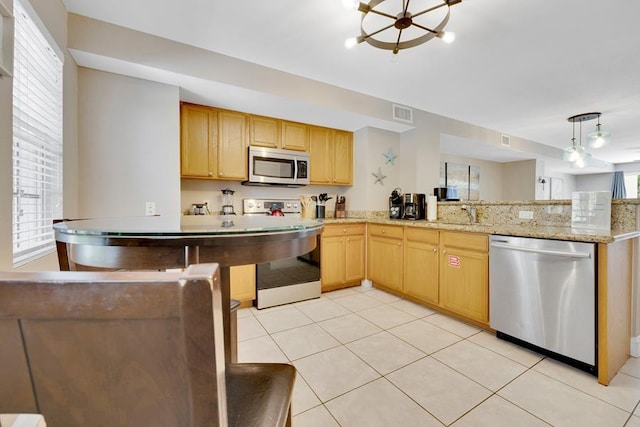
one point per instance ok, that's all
(340, 211)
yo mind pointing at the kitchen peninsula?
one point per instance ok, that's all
(444, 264)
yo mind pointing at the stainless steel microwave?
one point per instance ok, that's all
(269, 166)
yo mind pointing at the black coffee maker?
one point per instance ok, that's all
(413, 206)
(396, 204)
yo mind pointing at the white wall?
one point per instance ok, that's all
(520, 180)
(129, 145)
(491, 176)
(594, 182)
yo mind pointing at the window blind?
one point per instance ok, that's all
(37, 138)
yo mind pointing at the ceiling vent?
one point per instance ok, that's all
(402, 114)
(506, 141)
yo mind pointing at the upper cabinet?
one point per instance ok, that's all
(331, 156)
(275, 133)
(213, 143)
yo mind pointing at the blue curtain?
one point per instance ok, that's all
(618, 191)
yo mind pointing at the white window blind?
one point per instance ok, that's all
(37, 138)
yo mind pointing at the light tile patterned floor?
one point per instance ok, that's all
(367, 358)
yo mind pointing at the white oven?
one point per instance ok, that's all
(287, 280)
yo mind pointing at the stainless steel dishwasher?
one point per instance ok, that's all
(543, 293)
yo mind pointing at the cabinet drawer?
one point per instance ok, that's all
(471, 241)
(391, 231)
(342, 230)
(414, 234)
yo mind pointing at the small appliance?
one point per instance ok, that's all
(285, 168)
(227, 202)
(396, 204)
(413, 206)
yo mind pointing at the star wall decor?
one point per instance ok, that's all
(389, 156)
(379, 177)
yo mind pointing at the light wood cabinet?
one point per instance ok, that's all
(264, 131)
(198, 135)
(294, 136)
(421, 260)
(343, 255)
(275, 133)
(385, 257)
(243, 284)
(213, 143)
(464, 274)
(331, 156)
(232, 156)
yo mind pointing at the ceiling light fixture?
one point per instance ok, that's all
(406, 29)
(598, 138)
(576, 153)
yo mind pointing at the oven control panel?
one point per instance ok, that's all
(266, 206)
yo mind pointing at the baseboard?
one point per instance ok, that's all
(635, 346)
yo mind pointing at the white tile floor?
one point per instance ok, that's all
(367, 358)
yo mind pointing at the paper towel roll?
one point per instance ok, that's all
(432, 208)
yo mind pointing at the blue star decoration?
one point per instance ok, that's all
(379, 177)
(389, 156)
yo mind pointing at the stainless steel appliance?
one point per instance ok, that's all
(543, 293)
(287, 280)
(396, 204)
(413, 206)
(268, 166)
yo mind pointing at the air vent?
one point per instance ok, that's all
(506, 141)
(403, 114)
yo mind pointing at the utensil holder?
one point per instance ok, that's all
(319, 211)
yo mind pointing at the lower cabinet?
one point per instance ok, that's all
(464, 274)
(386, 255)
(243, 284)
(421, 259)
(342, 254)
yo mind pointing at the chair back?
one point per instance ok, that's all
(114, 348)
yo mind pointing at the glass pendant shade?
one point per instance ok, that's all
(583, 160)
(599, 138)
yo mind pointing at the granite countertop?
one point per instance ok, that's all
(519, 230)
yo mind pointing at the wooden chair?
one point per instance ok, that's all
(129, 349)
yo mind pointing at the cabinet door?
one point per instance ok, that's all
(354, 258)
(421, 270)
(264, 132)
(332, 265)
(197, 141)
(385, 261)
(232, 146)
(343, 158)
(464, 283)
(321, 155)
(295, 136)
(243, 282)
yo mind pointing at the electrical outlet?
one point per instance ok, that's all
(150, 208)
(525, 214)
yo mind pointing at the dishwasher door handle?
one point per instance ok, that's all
(541, 251)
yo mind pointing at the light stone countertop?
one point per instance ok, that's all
(542, 232)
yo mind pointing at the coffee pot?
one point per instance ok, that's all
(396, 204)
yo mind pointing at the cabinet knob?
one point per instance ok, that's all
(344, 230)
(210, 173)
(384, 231)
(328, 180)
(444, 252)
(399, 244)
(435, 249)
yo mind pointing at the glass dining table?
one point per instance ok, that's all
(167, 242)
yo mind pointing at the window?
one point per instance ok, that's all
(37, 137)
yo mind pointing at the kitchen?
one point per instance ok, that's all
(145, 148)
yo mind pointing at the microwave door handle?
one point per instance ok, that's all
(295, 171)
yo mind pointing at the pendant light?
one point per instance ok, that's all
(598, 138)
(576, 153)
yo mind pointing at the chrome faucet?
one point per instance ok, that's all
(472, 213)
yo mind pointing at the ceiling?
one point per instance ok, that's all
(517, 67)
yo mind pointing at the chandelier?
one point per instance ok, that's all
(383, 27)
(576, 153)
